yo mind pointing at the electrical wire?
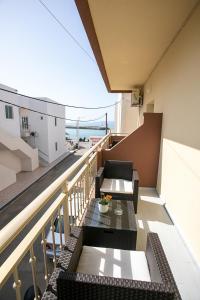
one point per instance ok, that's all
(80, 46)
(57, 103)
(49, 115)
(66, 30)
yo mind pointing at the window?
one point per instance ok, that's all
(9, 112)
(55, 121)
(24, 122)
(56, 146)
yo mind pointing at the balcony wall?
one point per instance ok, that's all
(142, 147)
(174, 89)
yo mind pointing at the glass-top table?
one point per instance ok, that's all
(109, 229)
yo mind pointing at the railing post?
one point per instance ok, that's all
(32, 261)
(52, 228)
(66, 212)
(43, 243)
(87, 180)
(96, 167)
(17, 284)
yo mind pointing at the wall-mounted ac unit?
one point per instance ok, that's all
(136, 97)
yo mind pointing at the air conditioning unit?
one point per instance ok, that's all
(136, 97)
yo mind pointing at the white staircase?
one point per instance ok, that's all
(28, 156)
(15, 156)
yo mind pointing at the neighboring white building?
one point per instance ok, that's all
(126, 115)
(44, 132)
(9, 115)
(26, 135)
(15, 154)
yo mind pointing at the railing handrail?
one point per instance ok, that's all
(21, 250)
(16, 225)
(119, 133)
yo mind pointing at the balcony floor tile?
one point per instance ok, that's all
(152, 216)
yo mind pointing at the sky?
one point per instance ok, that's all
(39, 59)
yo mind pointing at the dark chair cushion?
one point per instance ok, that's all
(118, 169)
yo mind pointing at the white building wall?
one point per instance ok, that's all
(56, 132)
(118, 108)
(46, 134)
(39, 126)
(38, 123)
(12, 126)
(126, 116)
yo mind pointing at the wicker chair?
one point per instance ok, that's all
(119, 179)
(66, 283)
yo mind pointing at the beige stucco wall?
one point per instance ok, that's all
(10, 160)
(7, 177)
(174, 87)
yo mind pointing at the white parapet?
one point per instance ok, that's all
(7, 176)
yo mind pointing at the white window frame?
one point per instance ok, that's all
(9, 112)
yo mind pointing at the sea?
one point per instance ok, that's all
(71, 133)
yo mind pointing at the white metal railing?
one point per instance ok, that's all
(71, 199)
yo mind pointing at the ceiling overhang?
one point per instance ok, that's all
(130, 37)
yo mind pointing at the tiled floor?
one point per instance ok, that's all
(152, 216)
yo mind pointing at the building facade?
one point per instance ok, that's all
(27, 135)
(44, 132)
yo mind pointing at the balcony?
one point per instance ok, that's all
(25, 261)
(154, 46)
(24, 238)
